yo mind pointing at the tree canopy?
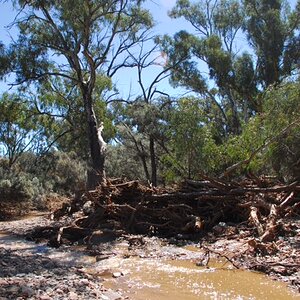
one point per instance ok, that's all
(88, 39)
(233, 57)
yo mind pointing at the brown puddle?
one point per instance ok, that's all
(161, 279)
(183, 280)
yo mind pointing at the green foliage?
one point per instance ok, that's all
(84, 43)
(270, 26)
(273, 136)
(282, 108)
(63, 116)
(240, 148)
(268, 30)
(190, 140)
(184, 70)
(219, 61)
(124, 162)
(77, 32)
(242, 110)
(140, 126)
(193, 144)
(5, 62)
(19, 128)
(65, 172)
(268, 144)
(246, 82)
(32, 176)
(19, 186)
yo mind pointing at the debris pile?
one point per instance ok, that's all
(254, 224)
(190, 209)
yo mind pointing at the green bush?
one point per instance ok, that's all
(33, 177)
(282, 119)
(275, 133)
(123, 162)
(66, 173)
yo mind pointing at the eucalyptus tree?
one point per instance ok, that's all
(209, 56)
(19, 128)
(142, 132)
(270, 26)
(210, 47)
(4, 60)
(59, 104)
(187, 132)
(148, 109)
(78, 41)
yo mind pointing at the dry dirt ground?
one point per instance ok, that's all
(35, 271)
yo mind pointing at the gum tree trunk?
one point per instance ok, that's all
(96, 173)
(153, 162)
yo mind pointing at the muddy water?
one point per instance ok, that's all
(154, 278)
(183, 280)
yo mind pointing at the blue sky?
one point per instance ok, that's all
(125, 79)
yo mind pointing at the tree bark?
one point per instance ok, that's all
(96, 174)
(144, 163)
(153, 162)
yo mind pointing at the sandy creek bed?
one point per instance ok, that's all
(151, 269)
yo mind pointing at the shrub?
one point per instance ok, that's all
(275, 133)
(34, 177)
